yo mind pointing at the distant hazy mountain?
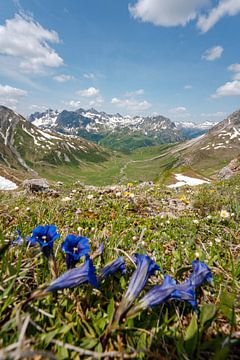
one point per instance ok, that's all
(23, 145)
(191, 130)
(115, 131)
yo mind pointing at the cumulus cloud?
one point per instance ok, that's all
(213, 53)
(231, 88)
(135, 93)
(73, 104)
(6, 90)
(235, 68)
(89, 76)
(8, 95)
(97, 102)
(90, 92)
(188, 87)
(62, 78)
(131, 104)
(180, 12)
(214, 114)
(179, 112)
(9, 102)
(167, 12)
(224, 7)
(28, 42)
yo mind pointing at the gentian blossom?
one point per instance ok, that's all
(19, 239)
(114, 266)
(185, 292)
(75, 277)
(45, 237)
(146, 267)
(75, 247)
(169, 290)
(200, 274)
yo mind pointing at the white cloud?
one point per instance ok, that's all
(224, 7)
(235, 68)
(28, 42)
(231, 88)
(89, 76)
(135, 93)
(179, 112)
(215, 114)
(188, 87)
(97, 102)
(131, 104)
(167, 12)
(6, 90)
(62, 78)
(9, 102)
(90, 92)
(213, 53)
(36, 107)
(180, 12)
(73, 104)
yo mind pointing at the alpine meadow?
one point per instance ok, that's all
(119, 179)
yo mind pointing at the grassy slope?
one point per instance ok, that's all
(79, 317)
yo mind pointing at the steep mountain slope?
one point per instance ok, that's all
(24, 146)
(213, 150)
(115, 131)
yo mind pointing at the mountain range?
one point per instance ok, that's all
(54, 148)
(116, 131)
(25, 146)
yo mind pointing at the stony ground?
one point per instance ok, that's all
(172, 226)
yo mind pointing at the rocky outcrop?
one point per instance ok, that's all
(230, 170)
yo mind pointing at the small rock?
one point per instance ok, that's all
(36, 185)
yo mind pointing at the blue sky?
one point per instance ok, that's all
(178, 58)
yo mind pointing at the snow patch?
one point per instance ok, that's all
(187, 180)
(6, 184)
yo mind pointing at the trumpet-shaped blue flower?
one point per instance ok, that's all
(116, 265)
(19, 239)
(200, 274)
(157, 295)
(75, 277)
(185, 292)
(45, 237)
(75, 247)
(146, 267)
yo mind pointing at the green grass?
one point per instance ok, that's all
(138, 220)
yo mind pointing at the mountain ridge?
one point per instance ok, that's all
(115, 130)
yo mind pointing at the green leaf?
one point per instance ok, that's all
(208, 313)
(88, 343)
(110, 308)
(191, 337)
(227, 306)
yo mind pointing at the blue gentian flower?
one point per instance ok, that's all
(75, 247)
(157, 295)
(114, 266)
(146, 267)
(45, 237)
(185, 292)
(19, 239)
(75, 277)
(200, 274)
